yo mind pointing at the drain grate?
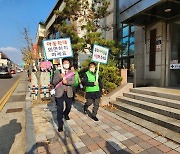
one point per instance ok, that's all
(14, 110)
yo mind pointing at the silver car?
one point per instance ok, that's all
(5, 72)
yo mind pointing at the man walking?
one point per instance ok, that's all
(64, 92)
(93, 90)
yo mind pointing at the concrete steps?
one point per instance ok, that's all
(157, 106)
(159, 119)
(153, 99)
(157, 93)
(167, 111)
(150, 125)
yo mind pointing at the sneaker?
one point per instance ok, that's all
(85, 109)
(67, 117)
(60, 129)
(95, 118)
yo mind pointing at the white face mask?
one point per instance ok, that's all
(92, 70)
(66, 66)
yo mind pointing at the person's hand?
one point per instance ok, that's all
(96, 83)
(81, 86)
(64, 81)
(103, 90)
(62, 75)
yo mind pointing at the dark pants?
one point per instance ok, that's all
(60, 107)
(95, 103)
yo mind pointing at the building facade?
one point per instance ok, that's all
(124, 34)
(47, 30)
(156, 40)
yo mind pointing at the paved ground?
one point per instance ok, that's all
(111, 134)
(7, 83)
(12, 122)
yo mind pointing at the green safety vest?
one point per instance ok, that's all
(91, 78)
(76, 79)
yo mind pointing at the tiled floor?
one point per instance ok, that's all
(111, 134)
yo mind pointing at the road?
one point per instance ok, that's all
(6, 84)
(12, 116)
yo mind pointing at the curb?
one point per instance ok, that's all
(31, 147)
(8, 94)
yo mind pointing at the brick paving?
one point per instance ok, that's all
(110, 135)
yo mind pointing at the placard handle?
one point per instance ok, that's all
(97, 72)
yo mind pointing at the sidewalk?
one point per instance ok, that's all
(111, 134)
(12, 125)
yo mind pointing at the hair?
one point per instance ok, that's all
(65, 59)
(92, 63)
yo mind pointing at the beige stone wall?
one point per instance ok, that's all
(139, 61)
(159, 77)
(110, 21)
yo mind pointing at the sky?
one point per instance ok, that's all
(15, 15)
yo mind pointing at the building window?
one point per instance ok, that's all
(125, 31)
(127, 39)
(126, 36)
(131, 49)
(57, 35)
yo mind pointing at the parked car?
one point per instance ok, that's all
(13, 71)
(18, 70)
(5, 72)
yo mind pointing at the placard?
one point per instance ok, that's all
(58, 48)
(100, 54)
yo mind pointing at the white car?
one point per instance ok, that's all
(18, 70)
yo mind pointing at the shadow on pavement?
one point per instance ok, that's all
(112, 147)
(43, 145)
(65, 137)
(80, 107)
(7, 135)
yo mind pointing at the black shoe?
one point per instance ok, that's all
(95, 118)
(60, 129)
(66, 117)
(85, 109)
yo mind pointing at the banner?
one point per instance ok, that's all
(100, 54)
(35, 54)
(58, 48)
(46, 65)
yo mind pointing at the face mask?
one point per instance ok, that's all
(92, 70)
(66, 66)
(59, 68)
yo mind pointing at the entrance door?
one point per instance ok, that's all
(175, 54)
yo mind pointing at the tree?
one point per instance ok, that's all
(27, 51)
(81, 21)
(29, 59)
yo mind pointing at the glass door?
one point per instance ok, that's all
(175, 54)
